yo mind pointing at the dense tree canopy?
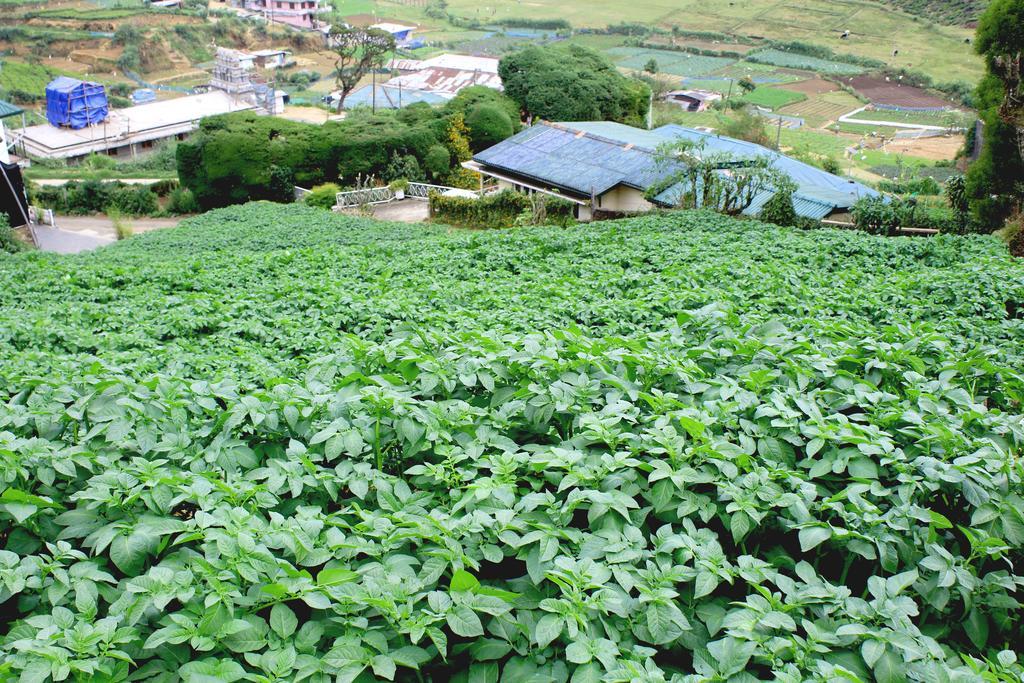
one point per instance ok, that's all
(488, 125)
(572, 83)
(995, 182)
(232, 157)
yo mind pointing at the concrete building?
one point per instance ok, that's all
(132, 131)
(434, 81)
(608, 168)
(303, 14)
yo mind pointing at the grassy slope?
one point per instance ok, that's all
(937, 50)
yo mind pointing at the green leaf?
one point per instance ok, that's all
(384, 667)
(813, 536)
(464, 622)
(578, 652)
(976, 626)
(890, 668)
(335, 577)
(463, 581)
(283, 620)
(548, 628)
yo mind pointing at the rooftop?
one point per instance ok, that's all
(144, 122)
(393, 28)
(581, 157)
(445, 80)
(389, 97)
(8, 109)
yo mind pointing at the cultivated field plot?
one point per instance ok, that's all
(878, 30)
(759, 73)
(820, 109)
(947, 118)
(772, 98)
(883, 91)
(797, 61)
(812, 86)
(669, 62)
(274, 444)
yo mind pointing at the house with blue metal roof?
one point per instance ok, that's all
(607, 167)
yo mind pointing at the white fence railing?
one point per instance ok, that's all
(371, 195)
(423, 190)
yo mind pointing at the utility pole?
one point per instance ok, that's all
(373, 90)
(778, 135)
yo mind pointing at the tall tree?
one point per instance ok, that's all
(357, 51)
(572, 83)
(995, 182)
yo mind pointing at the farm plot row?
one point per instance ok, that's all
(276, 444)
(668, 61)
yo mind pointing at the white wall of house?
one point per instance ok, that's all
(626, 199)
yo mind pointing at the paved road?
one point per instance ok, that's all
(83, 233)
(66, 241)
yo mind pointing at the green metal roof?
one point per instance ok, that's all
(8, 109)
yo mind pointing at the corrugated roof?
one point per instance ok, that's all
(392, 98)
(445, 80)
(813, 183)
(8, 109)
(598, 155)
(579, 163)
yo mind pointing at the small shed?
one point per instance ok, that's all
(71, 103)
(692, 100)
(401, 32)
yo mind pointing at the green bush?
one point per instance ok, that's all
(8, 242)
(500, 210)
(437, 162)
(878, 215)
(182, 201)
(488, 125)
(926, 185)
(323, 196)
(779, 209)
(134, 200)
(229, 160)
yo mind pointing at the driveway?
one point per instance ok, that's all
(82, 233)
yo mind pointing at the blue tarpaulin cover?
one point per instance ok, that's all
(75, 104)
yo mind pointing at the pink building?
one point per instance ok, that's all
(297, 13)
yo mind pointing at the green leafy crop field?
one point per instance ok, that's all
(274, 444)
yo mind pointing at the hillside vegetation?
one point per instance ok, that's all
(275, 444)
(955, 12)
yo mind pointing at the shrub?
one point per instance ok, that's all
(136, 200)
(437, 162)
(182, 201)
(926, 185)
(90, 196)
(488, 125)
(500, 210)
(281, 187)
(779, 209)
(122, 228)
(403, 166)
(323, 196)
(9, 243)
(878, 215)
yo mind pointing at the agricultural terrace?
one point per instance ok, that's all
(278, 444)
(876, 29)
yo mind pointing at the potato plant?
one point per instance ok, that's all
(279, 445)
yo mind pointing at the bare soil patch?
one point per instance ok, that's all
(881, 90)
(812, 86)
(936, 149)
